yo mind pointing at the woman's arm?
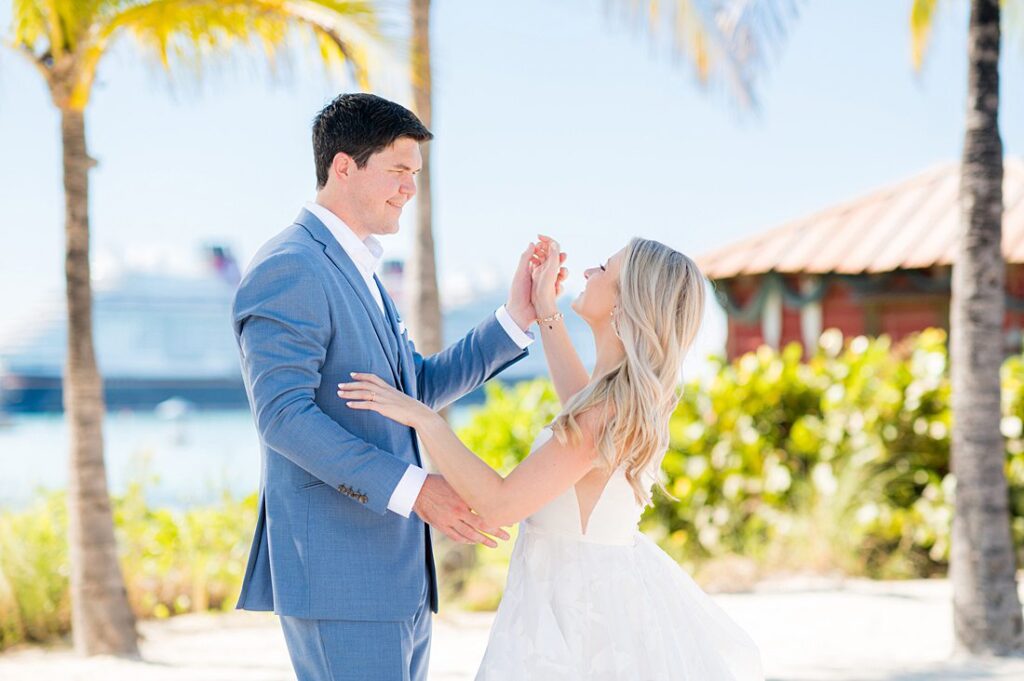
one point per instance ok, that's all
(568, 374)
(542, 476)
(545, 474)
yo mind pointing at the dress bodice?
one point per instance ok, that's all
(613, 520)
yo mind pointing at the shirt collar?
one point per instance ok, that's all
(366, 254)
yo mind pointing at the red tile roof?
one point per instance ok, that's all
(909, 225)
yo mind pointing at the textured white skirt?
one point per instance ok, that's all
(576, 609)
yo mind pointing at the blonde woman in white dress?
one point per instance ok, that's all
(588, 595)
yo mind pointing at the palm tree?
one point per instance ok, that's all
(65, 41)
(986, 608)
(424, 307)
(727, 43)
(732, 39)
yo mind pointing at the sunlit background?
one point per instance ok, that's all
(564, 118)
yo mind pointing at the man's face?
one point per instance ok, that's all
(379, 190)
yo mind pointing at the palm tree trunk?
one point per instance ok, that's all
(424, 308)
(986, 610)
(101, 619)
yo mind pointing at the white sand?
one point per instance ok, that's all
(808, 630)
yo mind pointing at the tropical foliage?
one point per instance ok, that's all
(837, 462)
(174, 561)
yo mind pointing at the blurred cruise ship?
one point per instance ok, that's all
(164, 340)
(158, 336)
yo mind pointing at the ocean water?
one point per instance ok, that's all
(198, 457)
(194, 459)
(184, 461)
(181, 462)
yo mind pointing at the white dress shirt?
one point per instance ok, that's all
(367, 254)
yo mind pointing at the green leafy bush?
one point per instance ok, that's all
(173, 561)
(834, 462)
(34, 599)
(838, 461)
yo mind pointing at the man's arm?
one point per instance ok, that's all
(465, 365)
(490, 348)
(283, 329)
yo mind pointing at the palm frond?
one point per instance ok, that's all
(922, 20)
(77, 16)
(53, 27)
(29, 26)
(191, 35)
(726, 41)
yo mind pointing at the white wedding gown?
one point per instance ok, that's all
(607, 605)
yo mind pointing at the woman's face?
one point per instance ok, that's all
(601, 293)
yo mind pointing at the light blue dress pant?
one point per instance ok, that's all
(347, 650)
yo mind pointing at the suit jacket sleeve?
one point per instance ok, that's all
(283, 326)
(480, 355)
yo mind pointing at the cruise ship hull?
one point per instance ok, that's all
(34, 394)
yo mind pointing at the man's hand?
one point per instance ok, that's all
(520, 304)
(442, 508)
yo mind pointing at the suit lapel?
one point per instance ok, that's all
(405, 360)
(390, 317)
(340, 258)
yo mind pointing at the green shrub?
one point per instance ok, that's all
(834, 462)
(838, 461)
(34, 600)
(173, 561)
(503, 429)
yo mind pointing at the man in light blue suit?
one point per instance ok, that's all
(341, 550)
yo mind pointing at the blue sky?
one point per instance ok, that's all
(550, 116)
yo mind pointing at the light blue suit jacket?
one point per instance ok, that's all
(325, 545)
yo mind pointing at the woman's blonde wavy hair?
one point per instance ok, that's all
(660, 308)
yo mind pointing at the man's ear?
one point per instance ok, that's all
(342, 165)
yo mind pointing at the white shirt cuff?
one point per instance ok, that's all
(407, 490)
(518, 336)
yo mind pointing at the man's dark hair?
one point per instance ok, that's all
(360, 125)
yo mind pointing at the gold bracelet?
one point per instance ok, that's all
(558, 316)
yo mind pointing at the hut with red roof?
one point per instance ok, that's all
(876, 265)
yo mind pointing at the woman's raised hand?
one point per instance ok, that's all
(548, 275)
